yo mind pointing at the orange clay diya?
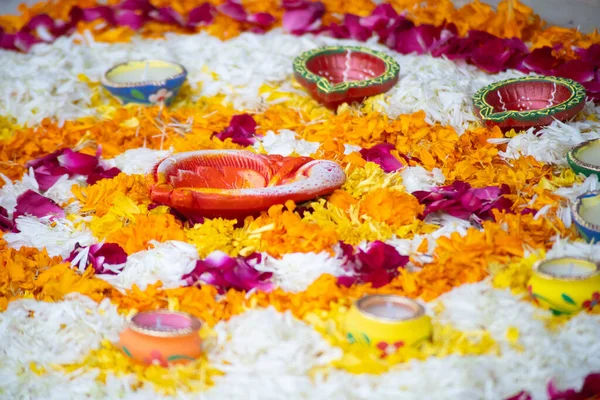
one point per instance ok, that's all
(344, 74)
(162, 337)
(238, 183)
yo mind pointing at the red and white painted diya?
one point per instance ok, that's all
(238, 183)
(532, 101)
(344, 74)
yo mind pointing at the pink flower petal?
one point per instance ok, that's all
(233, 10)
(541, 61)
(6, 224)
(418, 39)
(32, 203)
(78, 163)
(355, 29)
(380, 17)
(201, 15)
(303, 18)
(143, 6)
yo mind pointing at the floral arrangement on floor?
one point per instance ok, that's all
(435, 207)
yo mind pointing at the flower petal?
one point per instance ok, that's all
(32, 203)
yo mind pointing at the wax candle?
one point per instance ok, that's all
(390, 310)
(590, 210)
(148, 73)
(568, 268)
(590, 153)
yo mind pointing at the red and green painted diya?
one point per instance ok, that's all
(531, 101)
(345, 74)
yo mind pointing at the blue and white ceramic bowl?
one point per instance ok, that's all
(148, 82)
(588, 231)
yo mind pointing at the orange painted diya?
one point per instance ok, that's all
(162, 337)
(238, 183)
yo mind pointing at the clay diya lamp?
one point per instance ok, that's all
(344, 74)
(387, 322)
(163, 337)
(565, 285)
(586, 215)
(238, 183)
(147, 82)
(531, 101)
(585, 158)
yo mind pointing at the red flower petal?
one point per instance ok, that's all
(417, 39)
(6, 224)
(380, 17)
(32, 203)
(241, 130)
(201, 15)
(541, 61)
(143, 6)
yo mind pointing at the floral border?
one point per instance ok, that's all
(487, 112)
(392, 69)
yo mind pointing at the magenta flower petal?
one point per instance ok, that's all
(143, 6)
(99, 256)
(41, 20)
(578, 70)
(201, 15)
(6, 224)
(380, 17)
(78, 163)
(302, 18)
(101, 12)
(32, 203)
(541, 61)
(241, 130)
(377, 265)
(225, 272)
(167, 15)
(492, 57)
(418, 39)
(24, 40)
(101, 173)
(233, 10)
(355, 29)
(262, 19)
(131, 19)
(381, 155)
(522, 395)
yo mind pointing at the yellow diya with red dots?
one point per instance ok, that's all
(565, 285)
(387, 322)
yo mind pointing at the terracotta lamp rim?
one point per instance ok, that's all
(488, 113)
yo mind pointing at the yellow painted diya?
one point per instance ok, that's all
(565, 285)
(387, 321)
(162, 337)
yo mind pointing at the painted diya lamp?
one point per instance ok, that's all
(237, 183)
(163, 337)
(147, 82)
(585, 158)
(531, 101)
(387, 322)
(565, 285)
(586, 215)
(345, 74)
